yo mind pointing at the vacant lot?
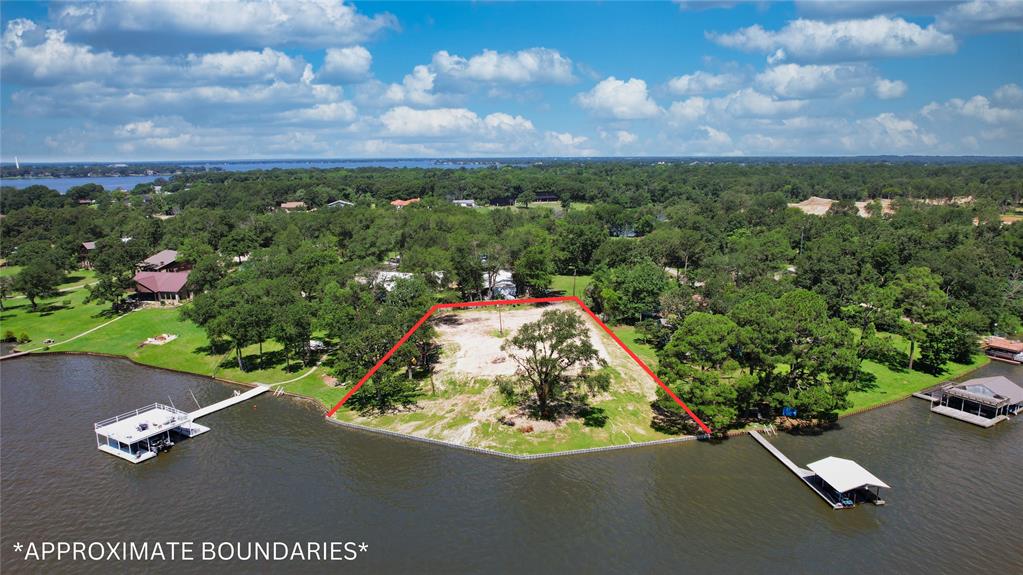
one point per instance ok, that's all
(464, 406)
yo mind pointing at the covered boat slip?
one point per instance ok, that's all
(982, 401)
(139, 435)
(842, 483)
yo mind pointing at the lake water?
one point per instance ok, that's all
(64, 184)
(128, 182)
(272, 469)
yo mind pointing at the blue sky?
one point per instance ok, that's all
(232, 79)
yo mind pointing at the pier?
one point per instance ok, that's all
(841, 483)
(140, 435)
(203, 411)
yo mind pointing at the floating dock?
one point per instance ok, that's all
(139, 435)
(841, 483)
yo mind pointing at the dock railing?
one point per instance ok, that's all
(178, 414)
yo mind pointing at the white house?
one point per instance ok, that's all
(500, 286)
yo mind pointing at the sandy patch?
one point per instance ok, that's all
(475, 346)
(472, 346)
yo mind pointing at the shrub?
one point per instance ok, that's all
(9, 337)
(23, 338)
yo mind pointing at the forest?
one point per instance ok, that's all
(751, 307)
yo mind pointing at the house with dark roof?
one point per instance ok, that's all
(162, 286)
(164, 261)
(85, 252)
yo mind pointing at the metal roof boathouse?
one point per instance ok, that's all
(842, 483)
(845, 482)
(983, 401)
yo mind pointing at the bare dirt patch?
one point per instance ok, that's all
(472, 345)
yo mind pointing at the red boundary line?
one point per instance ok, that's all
(575, 299)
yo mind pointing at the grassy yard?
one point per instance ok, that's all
(896, 384)
(74, 280)
(630, 337)
(626, 417)
(56, 318)
(563, 285)
(189, 352)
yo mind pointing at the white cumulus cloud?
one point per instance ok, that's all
(349, 64)
(700, 82)
(982, 16)
(406, 121)
(842, 40)
(614, 98)
(529, 66)
(319, 23)
(889, 89)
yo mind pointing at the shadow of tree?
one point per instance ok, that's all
(593, 416)
(865, 381)
(671, 421)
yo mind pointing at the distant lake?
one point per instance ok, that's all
(64, 184)
(128, 182)
(349, 164)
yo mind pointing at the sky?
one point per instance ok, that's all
(231, 79)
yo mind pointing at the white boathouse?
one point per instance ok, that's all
(139, 435)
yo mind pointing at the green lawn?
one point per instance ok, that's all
(52, 319)
(189, 352)
(563, 285)
(629, 336)
(74, 280)
(891, 384)
(456, 409)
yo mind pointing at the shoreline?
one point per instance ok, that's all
(481, 450)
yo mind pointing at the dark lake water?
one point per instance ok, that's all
(274, 469)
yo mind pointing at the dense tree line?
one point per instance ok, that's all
(754, 306)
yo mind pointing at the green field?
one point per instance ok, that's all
(74, 280)
(629, 337)
(53, 319)
(891, 385)
(189, 352)
(562, 285)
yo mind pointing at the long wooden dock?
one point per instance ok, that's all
(805, 475)
(203, 411)
(799, 471)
